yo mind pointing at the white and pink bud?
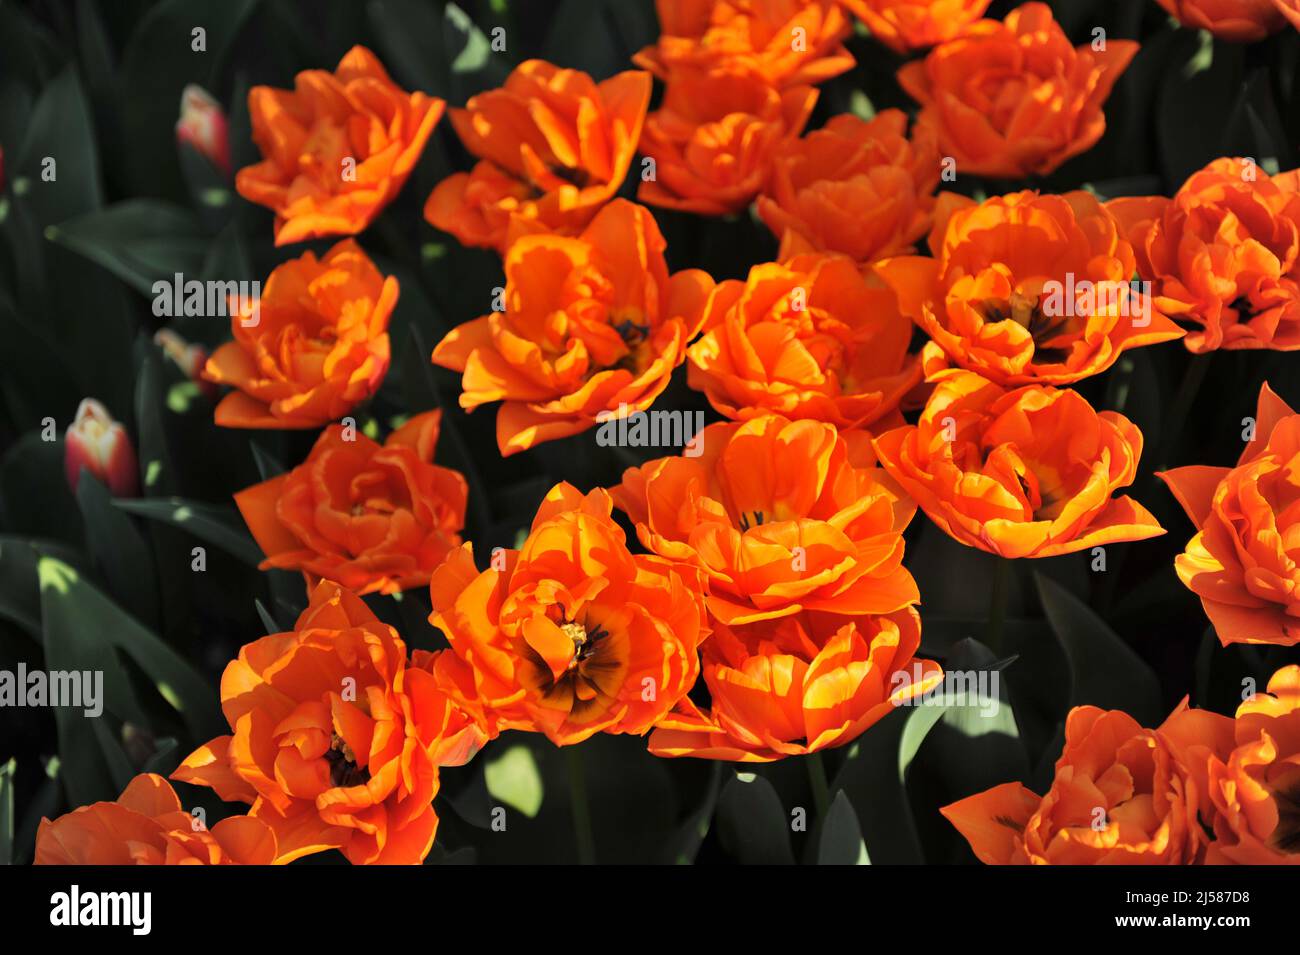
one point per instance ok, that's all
(98, 443)
(190, 358)
(203, 126)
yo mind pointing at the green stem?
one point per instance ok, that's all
(582, 831)
(400, 249)
(998, 595)
(1188, 388)
(817, 777)
(1193, 378)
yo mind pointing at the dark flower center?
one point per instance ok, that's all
(1028, 313)
(1286, 837)
(344, 770)
(584, 641)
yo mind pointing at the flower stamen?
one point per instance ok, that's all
(344, 770)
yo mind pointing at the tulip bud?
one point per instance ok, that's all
(99, 444)
(203, 126)
(189, 358)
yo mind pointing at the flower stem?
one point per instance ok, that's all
(820, 788)
(998, 595)
(1193, 377)
(582, 831)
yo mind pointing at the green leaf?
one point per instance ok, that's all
(1205, 86)
(841, 836)
(7, 772)
(915, 729)
(635, 24)
(1205, 654)
(473, 65)
(115, 758)
(467, 793)
(465, 856)
(120, 551)
(20, 592)
(207, 522)
(61, 131)
(268, 465)
(22, 237)
(166, 757)
(1133, 388)
(752, 823)
(977, 743)
(83, 621)
(37, 500)
(421, 394)
(685, 845)
(76, 637)
(409, 34)
(268, 622)
(226, 261)
(513, 778)
(141, 241)
(584, 36)
(158, 62)
(156, 476)
(1104, 670)
(26, 49)
(20, 597)
(46, 803)
(35, 376)
(95, 50)
(874, 777)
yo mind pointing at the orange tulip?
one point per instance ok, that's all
(1237, 21)
(369, 517)
(554, 147)
(591, 325)
(1223, 254)
(1290, 9)
(312, 348)
(788, 42)
(713, 139)
(336, 741)
(1013, 98)
(1122, 795)
(854, 186)
(571, 635)
(808, 339)
(780, 516)
(1025, 473)
(795, 685)
(1240, 563)
(905, 25)
(1027, 289)
(337, 148)
(436, 681)
(146, 825)
(1254, 787)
